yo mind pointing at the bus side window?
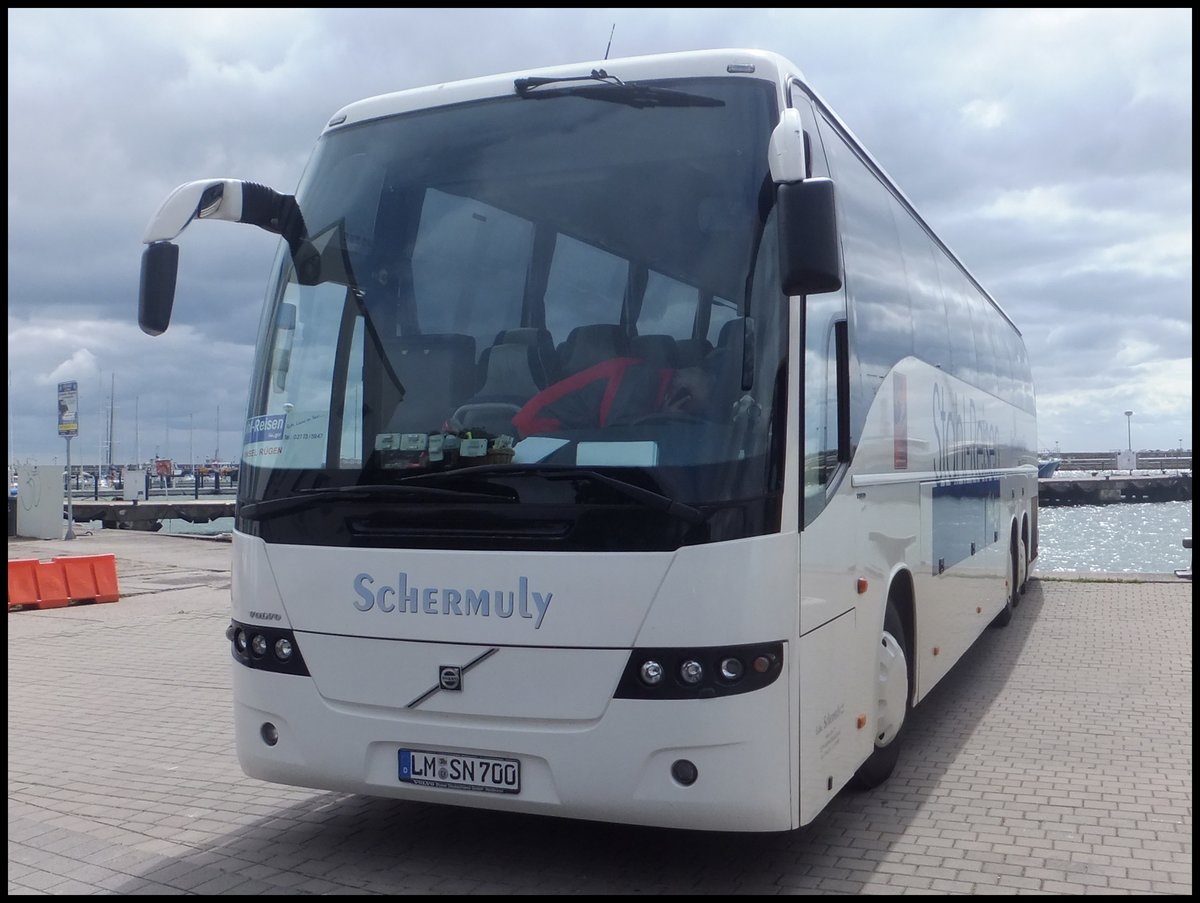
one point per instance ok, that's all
(964, 362)
(881, 328)
(931, 341)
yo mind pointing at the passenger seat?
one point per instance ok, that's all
(691, 352)
(587, 346)
(657, 349)
(543, 364)
(514, 375)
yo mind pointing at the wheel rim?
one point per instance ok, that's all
(892, 690)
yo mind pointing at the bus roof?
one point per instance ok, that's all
(716, 63)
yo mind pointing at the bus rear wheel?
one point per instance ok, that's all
(892, 704)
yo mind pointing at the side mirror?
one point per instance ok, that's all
(156, 294)
(809, 255)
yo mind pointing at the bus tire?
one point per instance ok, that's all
(1028, 565)
(893, 704)
(1005, 617)
(1023, 573)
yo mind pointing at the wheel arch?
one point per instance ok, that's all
(902, 595)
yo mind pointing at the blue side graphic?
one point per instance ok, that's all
(965, 520)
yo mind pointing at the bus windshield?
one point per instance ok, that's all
(544, 280)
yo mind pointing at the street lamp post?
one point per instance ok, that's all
(1129, 438)
(192, 459)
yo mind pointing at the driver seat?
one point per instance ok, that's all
(508, 385)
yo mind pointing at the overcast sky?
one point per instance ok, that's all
(1051, 149)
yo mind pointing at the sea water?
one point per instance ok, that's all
(1124, 537)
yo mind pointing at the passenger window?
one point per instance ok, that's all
(469, 266)
(722, 312)
(881, 327)
(586, 285)
(963, 360)
(668, 307)
(931, 342)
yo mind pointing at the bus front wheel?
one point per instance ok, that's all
(892, 704)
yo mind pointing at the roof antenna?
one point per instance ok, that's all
(610, 34)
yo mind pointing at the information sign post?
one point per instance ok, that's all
(68, 428)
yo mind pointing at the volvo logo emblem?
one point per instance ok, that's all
(450, 677)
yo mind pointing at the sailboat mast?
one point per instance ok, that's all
(112, 402)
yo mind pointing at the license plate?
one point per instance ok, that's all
(458, 772)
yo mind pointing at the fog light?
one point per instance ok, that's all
(731, 668)
(691, 671)
(684, 772)
(258, 645)
(283, 649)
(270, 733)
(241, 641)
(652, 672)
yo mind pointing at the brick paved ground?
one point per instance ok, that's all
(1055, 758)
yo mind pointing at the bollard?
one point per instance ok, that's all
(1185, 573)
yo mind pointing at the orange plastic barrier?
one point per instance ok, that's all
(90, 578)
(22, 582)
(61, 581)
(106, 578)
(52, 585)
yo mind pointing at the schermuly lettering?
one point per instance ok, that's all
(480, 603)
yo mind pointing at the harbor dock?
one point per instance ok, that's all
(1107, 488)
(149, 514)
(1055, 758)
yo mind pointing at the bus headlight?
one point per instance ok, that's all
(251, 644)
(699, 672)
(731, 668)
(691, 671)
(652, 672)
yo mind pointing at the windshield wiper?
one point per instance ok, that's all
(603, 86)
(648, 497)
(308, 498)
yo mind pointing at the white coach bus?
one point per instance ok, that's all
(621, 445)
